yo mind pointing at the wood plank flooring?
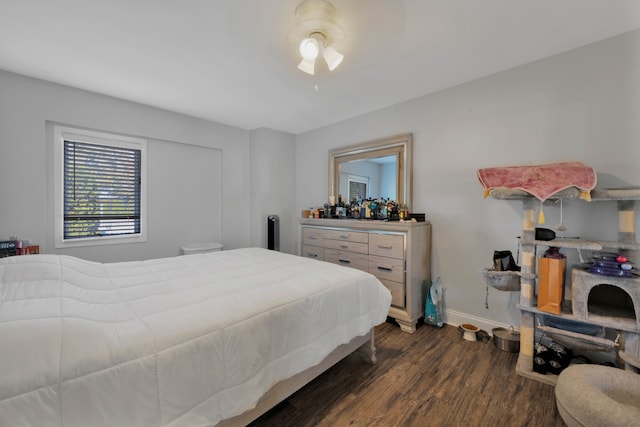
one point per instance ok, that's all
(430, 378)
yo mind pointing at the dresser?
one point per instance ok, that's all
(397, 253)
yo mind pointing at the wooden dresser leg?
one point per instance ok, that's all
(409, 327)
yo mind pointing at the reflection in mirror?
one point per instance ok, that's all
(368, 178)
(375, 169)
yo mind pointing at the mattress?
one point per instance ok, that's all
(189, 340)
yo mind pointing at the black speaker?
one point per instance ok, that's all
(273, 232)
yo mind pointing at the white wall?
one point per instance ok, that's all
(582, 105)
(388, 181)
(26, 200)
(272, 186)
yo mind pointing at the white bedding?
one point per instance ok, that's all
(188, 340)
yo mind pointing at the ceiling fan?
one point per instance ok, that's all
(319, 31)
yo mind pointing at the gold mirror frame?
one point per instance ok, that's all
(400, 146)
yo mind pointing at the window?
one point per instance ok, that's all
(100, 191)
(358, 187)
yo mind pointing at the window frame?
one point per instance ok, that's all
(359, 179)
(60, 133)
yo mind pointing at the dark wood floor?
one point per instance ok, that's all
(430, 378)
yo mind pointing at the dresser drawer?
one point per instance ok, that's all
(386, 268)
(344, 245)
(313, 236)
(315, 252)
(347, 235)
(387, 245)
(397, 292)
(347, 259)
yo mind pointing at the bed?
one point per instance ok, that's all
(189, 340)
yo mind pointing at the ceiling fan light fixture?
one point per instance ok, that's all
(309, 48)
(332, 57)
(318, 32)
(308, 66)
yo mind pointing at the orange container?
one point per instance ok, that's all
(551, 284)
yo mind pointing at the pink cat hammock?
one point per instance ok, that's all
(541, 181)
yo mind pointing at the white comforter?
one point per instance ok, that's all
(188, 340)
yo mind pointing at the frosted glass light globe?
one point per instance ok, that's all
(309, 48)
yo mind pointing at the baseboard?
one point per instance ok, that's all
(456, 318)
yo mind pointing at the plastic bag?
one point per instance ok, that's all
(433, 305)
(503, 261)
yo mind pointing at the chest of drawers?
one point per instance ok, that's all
(397, 253)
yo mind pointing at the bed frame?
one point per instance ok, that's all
(363, 344)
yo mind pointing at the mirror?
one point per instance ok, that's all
(376, 169)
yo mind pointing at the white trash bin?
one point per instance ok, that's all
(201, 248)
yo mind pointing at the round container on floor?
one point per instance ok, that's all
(469, 331)
(506, 339)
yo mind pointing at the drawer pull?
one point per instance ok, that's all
(344, 246)
(312, 255)
(385, 269)
(385, 246)
(312, 238)
(344, 261)
(344, 236)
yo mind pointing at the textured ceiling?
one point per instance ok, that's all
(234, 61)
